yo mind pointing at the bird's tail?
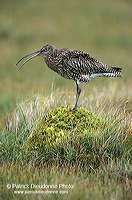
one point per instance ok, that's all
(111, 72)
(116, 72)
(117, 69)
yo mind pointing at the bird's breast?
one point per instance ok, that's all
(55, 64)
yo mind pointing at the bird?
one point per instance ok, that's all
(73, 64)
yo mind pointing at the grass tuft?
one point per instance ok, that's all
(63, 136)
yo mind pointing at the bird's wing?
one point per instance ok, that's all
(80, 62)
(83, 63)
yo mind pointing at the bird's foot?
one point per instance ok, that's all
(74, 109)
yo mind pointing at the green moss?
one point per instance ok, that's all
(61, 124)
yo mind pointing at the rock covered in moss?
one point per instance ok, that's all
(60, 125)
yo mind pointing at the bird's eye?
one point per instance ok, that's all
(43, 50)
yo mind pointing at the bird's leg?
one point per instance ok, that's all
(77, 95)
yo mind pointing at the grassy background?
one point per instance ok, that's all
(102, 28)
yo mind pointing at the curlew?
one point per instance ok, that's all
(73, 64)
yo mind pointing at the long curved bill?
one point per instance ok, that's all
(37, 54)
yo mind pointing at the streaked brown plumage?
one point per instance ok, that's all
(74, 64)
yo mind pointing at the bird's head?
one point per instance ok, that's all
(44, 52)
(47, 50)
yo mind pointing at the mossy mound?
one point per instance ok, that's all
(62, 130)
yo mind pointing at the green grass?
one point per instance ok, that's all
(111, 182)
(65, 137)
(102, 28)
(102, 169)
